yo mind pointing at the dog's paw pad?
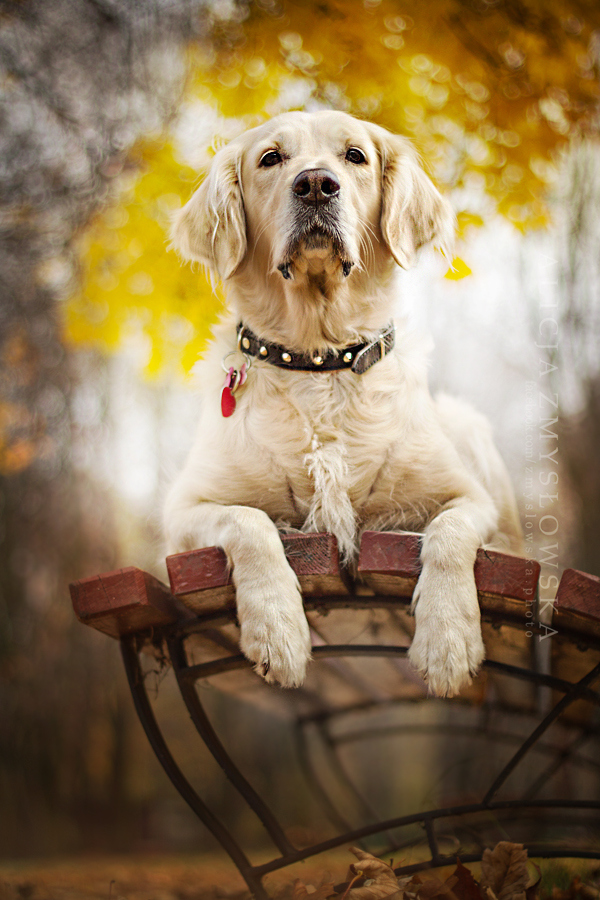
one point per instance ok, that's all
(288, 671)
(278, 644)
(447, 661)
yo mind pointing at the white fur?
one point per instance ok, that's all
(332, 451)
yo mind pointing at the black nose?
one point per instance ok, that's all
(315, 186)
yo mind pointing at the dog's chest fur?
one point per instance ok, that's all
(331, 447)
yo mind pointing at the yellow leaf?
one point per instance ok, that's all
(131, 283)
(459, 269)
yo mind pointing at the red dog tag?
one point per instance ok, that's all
(233, 380)
(227, 398)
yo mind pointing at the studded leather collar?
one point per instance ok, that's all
(357, 357)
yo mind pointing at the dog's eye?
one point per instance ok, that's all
(356, 156)
(270, 158)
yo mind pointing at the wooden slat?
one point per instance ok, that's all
(506, 582)
(389, 563)
(576, 609)
(124, 601)
(577, 605)
(202, 581)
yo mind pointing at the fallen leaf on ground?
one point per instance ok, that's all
(428, 888)
(466, 888)
(380, 880)
(504, 871)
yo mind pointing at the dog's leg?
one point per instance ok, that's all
(447, 648)
(274, 630)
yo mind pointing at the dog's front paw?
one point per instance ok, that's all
(274, 630)
(447, 648)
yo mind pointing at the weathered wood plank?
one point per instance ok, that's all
(502, 578)
(577, 605)
(389, 563)
(576, 610)
(124, 601)
(201, 579)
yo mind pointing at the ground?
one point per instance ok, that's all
(213, 877)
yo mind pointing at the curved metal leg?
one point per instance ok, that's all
(147, 718)
(209, 736)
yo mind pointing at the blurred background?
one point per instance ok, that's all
(110, 111)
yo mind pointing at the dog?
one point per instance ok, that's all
(325, 421)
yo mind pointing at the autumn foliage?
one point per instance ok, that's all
(505, 874)
(133, 289)
(489, 91)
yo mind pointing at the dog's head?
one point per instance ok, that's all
(312, 196)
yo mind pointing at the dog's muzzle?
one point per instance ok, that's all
(317, 219)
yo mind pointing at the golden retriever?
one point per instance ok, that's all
(304, 219)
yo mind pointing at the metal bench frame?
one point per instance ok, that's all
(144, 614)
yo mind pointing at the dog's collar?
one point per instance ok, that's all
(358, 357)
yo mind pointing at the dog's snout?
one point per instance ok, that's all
(315, 187)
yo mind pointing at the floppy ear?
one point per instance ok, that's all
(211, 227)
(413, 211)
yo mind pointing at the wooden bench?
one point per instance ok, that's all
(361, 629)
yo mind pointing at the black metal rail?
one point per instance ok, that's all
(504, 809)
(135, 677)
